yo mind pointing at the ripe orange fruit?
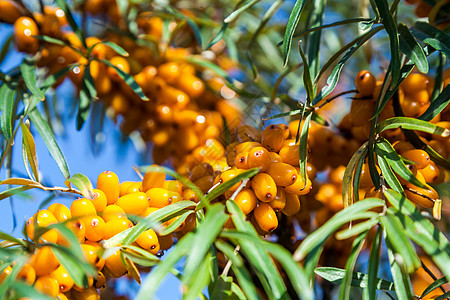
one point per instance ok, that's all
(266, 217)
(134, 204)
(24, 30)
(282, 173)
(292, 204)
(95, 228)
(63, 278)
(264, 187)
(44, 261)
(9, 11)
(272, 138)
(365, 83)
(47, 285)
(148, 240)
(154, 177)
(246, 200)
(108, 182)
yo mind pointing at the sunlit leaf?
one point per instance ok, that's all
(412, 124)
(432, 36)
(27, 68)
(438, 105)
(411, 48)
(30, 147)
(83, 184)
(292, 23)
(401, 279)
(7, 92)
(374, 261)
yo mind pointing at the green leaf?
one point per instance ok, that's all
(401, 278)
(218, 36)
(199, 61)
(7, 93)
(335, 275)
(432, 36)
(197, 280)
(53, 78)
(391, 28)
(51, 40)
(27, 69)
(30, 147)
(231, 17)
(84, 104)
(359, 210)
(438, 105)
(258, 257)
(83, 184)
(444, 296)
(348, 188)
(21, 181)
(434, 285)
(346, 282)
(316, 19)
(129, 80)
(222, 288)
(151, 283)
(175, 224)
(12, 191)
(139, 255)
(307, 81)
(357, 229)
(412, 124)
(6, 237)
(374, 261)
(292, 23)
(6, 46)
(73, 25)
(412, 49)
(25, 290)
(389, 175)
(384, 149)
(303, 146)
(224, 187)
(189, 21)
(395, 233)
(49, 140)
(71, 262)
(119, 50)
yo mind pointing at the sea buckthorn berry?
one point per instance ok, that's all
(190, 195)
(280, 200)
(275, 157)
(27, 274)
(91, 254)
(6, 272)
(154, 177)
(169, 71)
(299, 187)
(205, 183)
(420, 157)
(414, 83)
(122, 64)
(112, 212)
(290, 155)
(439, 147)
(432, 173)
(95, 228)
(241, 160)
(82, 207)
(134, 204)
(247, 133)
(165, 241)
(9, 11)
(63, 278)
(245, 146)
(283, 174)
(99, 200)
(422, 196)
(43, 218)
(200, 170)
(402, 146)
(108, 182)
(412, 108)
(116, 226)
(158, 197)
(148, 240)
(365, 83)
(285, 130)
(24, 30)
(292, 204)
(272, 138)
(78, 228)
(44, 261)
(173, 186)
(60, 211)
(361, 112)
(259, 157)
(246, 200)
(374, 193)
(114, 266)
(47, 285)
(264, 187)
(100, 280)
(123, 187)
(90, 293)
(90, 282)
(266, 217)
(191, 85)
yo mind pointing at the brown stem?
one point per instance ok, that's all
(337, 96)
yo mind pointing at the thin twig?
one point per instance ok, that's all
(337, 96)
(228, 265)
(138, 172)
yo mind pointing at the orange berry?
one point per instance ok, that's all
(99, 200)
(266, 217)
(421, 196)
(165, 241)
(44, 261)
(154, 177)
(292, 204)
(169, 71)
(272, 138)
(47, 285)
(91, 254)
(123, 187)
(282, 173)
(259, 157)
(365, 83)
(241, 160)
(275, 157)
(264, 187)
(114, 266)
(246, 200)
(95, 228)
(116, 226)
(90, 293)
(134, 204)
(414, 83)
(420, 157)
(63, 278)
(245, 146)
(9, 11)
(228, 175)
(82, 207)
(280, 200)
(361, 112)
(60, 211)
(24, 30)
(122, 64)
(27, 274)
(158, 197)
(290, 155)
(100, 281)
(433, 174)
(200, 170)
(247, 133)
(112, 212)
(108, 182)
(365, 180)
(173, 186)
(191, 85)
(148, 240)
(299, 187)
(78, 228)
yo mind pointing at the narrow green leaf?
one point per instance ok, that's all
(389, 175)
(10, 279)
(357, 229)
(84, 104)
(198, 280)
(49, 140)
(119, 50)
(151, 283)
(412, 124)
(189, 21)
(391, 28)
(6, 237)
(21, 181)
(73, 25)
(27, 68)
(335, 275)
(412, 49)
(401, 278)
(347, 181)
(129, 80)
(83, 184)
(71, 262)
(359, 210)
(12, 191)
(199, 61)
(25, 290)
(218, 36)
(259, 259)
(395, 233)
(221, 288)
(224, 187)
(444, 296)
(303, 146)
(316, 19)
(307, 81)
(344, 291)
(292, 23)
(433, 286)
(374, 261)
(432, 36)
(384, 149)
(437, 105)
(30, 147)
(51, 40)
(7, 93)
(5, 47)
(231, 17)
(53, 78)
(88, 84)
(175, 224)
